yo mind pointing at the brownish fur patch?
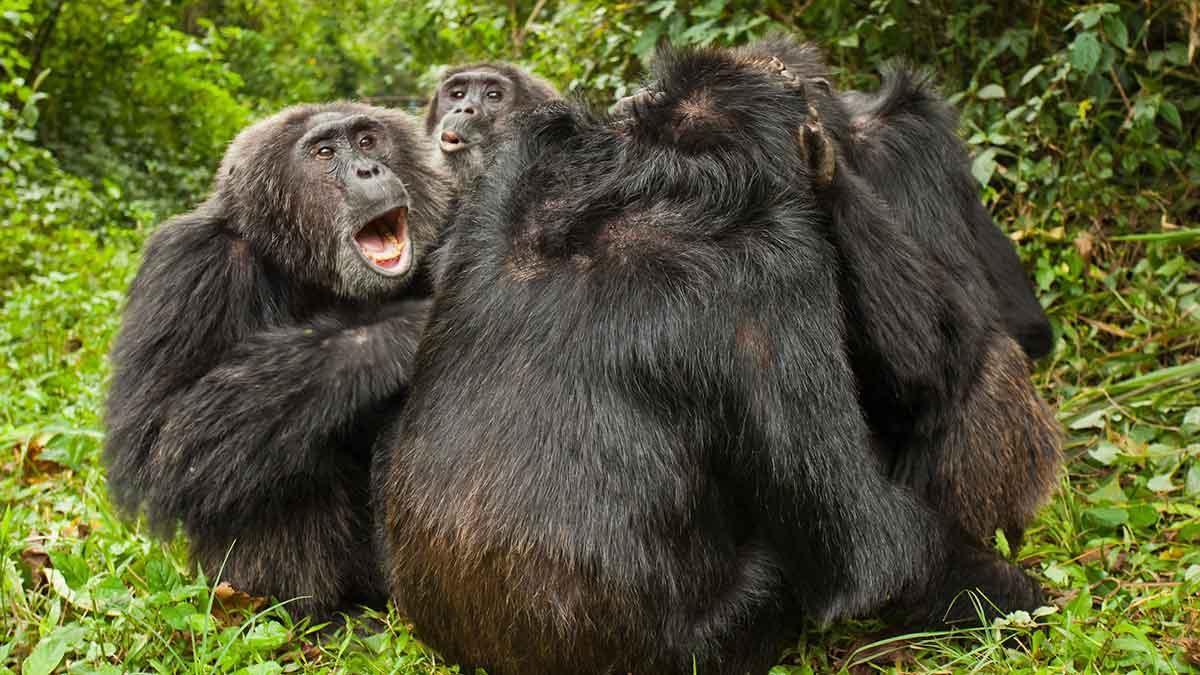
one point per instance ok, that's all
(525, 268)
(862, 126)
(754, 342)
(525, 262)
(632, 233)
(1000, 461)
(698, 111)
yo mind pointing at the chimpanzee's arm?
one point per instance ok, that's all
(198, 292)
(908, 322)
(276, 408)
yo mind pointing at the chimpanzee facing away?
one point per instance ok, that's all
(662, 460)
(263, 334)
(930, 294)
(471, 104)
(902, 141)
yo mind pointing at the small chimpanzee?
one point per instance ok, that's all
(472, 104)
(264, 333)
(662, 462)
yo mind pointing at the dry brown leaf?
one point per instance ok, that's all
(307, 653)
(1064, 598)
(894, 654)
(1085, 245)
(77, 530)
(1191, 649)
(232, 606)
(33, 468)
(37, 560)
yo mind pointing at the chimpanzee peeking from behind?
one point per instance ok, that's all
(263, 335)
(472, 104)
(662, 461)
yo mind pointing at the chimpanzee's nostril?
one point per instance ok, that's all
(367, 172)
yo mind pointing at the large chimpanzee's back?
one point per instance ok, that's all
(633, 442)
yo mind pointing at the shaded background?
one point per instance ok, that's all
(1082, 118)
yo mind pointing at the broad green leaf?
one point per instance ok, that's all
(1105, 452)
(991, 91)
(161, 575)
(1057, 575)
(1109, 493)
(1085, 52)
(1191, 485)
(266, 636)
(1192, 573)
(1115, 29)
(984, 166)
(1032, 73)
(1106, 517)
(1094, 420)
(1161, 483)
(1191, 421)
(51, 649)
(178, 616)
(1142, 515)
(1171, 114)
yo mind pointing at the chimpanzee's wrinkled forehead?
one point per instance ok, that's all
(484, 76)
(333, 124)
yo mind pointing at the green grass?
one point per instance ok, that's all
(1118, 548)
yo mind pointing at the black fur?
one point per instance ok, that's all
(661, 460)
(258, 348)
(905, 143)
(946, 391)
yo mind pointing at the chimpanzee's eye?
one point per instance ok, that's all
(366, 142)
(457, 93)
(495, 95)
(325, 152)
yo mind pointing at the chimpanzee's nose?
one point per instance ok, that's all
(367, 171)
(465, 109)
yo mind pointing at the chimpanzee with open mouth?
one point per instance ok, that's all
(263, 335)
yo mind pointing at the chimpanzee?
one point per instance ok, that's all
(902, 141)
(930, 295)
(633, 441)
(264, 334)
(472, 104)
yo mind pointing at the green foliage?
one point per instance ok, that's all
(1082, 118)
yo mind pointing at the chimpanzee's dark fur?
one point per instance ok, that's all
(257, 350)
(929, 292)
(903, 142)
(634, 441)
(474, 117)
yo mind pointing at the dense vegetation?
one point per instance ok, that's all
(1083, 120)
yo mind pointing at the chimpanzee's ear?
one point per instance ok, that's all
(431, 110)
(817, 149)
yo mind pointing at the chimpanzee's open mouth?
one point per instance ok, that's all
(384, 244)
(452, 141)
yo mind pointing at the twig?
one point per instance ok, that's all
(1128, 106)
(519, 35)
